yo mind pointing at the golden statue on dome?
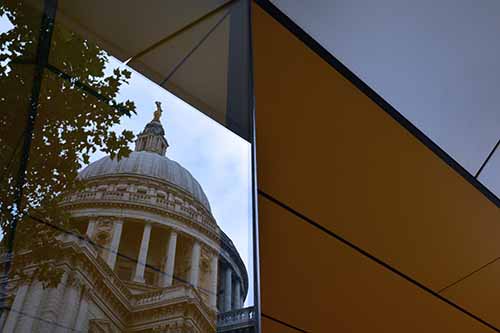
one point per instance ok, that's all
(157, 113)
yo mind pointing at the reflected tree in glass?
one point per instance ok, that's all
(76, 107)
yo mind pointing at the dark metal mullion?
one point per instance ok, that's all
(12, 156)
(239, 96)
(42, 57)
(254, 184)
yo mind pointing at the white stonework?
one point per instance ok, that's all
(168, 277)
(17, 307)
(148, 261)
(140, 266)
(214, 265)
(228, 290)
(237, 294)
(115, 242)
(31, 308)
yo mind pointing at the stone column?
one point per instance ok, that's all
(237, 294)
(83, 312)
(143, 254)
(115, 244)
(16, 307)
(70, 306)
(214, 262)
(195, 264)
(52, 306)
(31, 307)
(170, 260)
(220, 292)
(228, 289)
(91, 228)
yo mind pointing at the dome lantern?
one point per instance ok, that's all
(152, 138)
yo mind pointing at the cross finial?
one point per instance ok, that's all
(157, 113)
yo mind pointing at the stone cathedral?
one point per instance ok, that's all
(153, 258)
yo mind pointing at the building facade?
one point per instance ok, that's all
(152, 258)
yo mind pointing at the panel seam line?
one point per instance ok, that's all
(375, 259)
(282, 323)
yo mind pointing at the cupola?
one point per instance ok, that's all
(152, 138)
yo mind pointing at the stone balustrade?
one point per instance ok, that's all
(177, 292)
(144, 199)
(160, 295)
(236, 317)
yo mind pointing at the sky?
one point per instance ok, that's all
(436, 62)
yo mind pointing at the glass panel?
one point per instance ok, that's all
(137, 208)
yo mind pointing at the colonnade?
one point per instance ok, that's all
(232, 288)
(37, 309)
(231, 298)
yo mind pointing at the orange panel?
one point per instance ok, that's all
(269, 326)
(318, 284)
(480, 293)
(327, 150)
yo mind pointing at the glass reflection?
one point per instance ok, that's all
(129, 242)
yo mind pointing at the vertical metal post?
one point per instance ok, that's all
(255, 206)
(42, 57)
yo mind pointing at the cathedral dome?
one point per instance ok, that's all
(148, 164)
(149, 160)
